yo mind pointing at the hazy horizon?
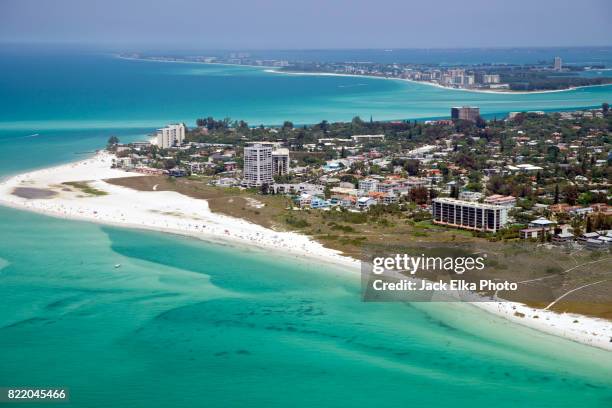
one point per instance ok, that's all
(287, 24)
(181, 47)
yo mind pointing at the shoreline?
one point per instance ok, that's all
(171, 212)
(148, 213)
(436, 85)
(276, 70)
(191, 62)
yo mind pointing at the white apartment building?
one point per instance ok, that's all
(491, 79)
(368, 184)
(469, 215)
(471, 195)
(367, 138)
(258, 168)
(171, 135)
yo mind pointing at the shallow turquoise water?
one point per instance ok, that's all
(188, 323)
(59, 91)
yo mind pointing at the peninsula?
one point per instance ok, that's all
(328, 191)
(491, 77)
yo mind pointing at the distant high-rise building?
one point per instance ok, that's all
(171, 135)
(456, 72)
(558, 64)
(469, 113)
(257, 165)
(490, 79)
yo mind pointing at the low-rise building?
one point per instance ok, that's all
(504, 201)
(297, 188)
(386, 187)
(303, 200)
(563, 237)
(602, 242)
(363, 203)
(367, 138)
(390, 198)
(230, 165)
(368, 184)
(531, 233)
(470, 195)
(542, 223)
(524, 168)
(226, 182)
(318, 202)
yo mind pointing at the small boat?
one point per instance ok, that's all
(117, 266)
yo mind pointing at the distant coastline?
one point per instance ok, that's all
(487, 91)
(276, 70)
(119, 56)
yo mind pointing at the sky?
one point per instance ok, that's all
(312, 24)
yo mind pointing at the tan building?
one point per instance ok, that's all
(280, 162)
(171, 135)
(469, 113)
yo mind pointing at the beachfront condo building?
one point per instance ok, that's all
(468, 113)
(469, 215)
(258, 168)
(171, 135)
(280, 161)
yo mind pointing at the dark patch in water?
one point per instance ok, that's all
(60, 303)
(28, 322)
(155, 296)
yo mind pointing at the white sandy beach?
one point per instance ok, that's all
(157, 210)
(436, 85)
(176, 213)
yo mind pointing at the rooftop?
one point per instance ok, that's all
(454, 201)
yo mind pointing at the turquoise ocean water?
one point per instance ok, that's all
(190, 323)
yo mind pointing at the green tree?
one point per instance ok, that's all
(571, 194)
(324, 126)
(169, 164)
(418, 195)
(412, 167)
(113, 141)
